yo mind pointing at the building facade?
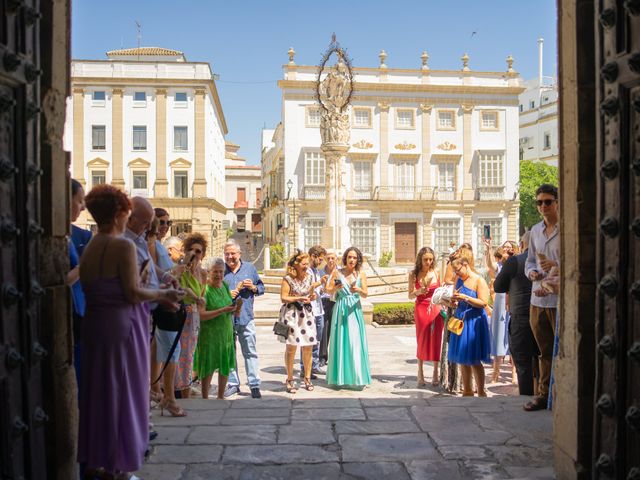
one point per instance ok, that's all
(539, 121)
(433, 158)
(150, 122)
(243, 197)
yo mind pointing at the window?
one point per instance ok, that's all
(363, 235)
(313, 116)
(521, 108)
(139, 98)
(180, 99)
(98, 177)
(99, 98)
(98, 141)
(139, 179)
(545, 99)
(495, 224)
(312, 232)
(547, 141)
(362, 117)
(258, 197)
(314, 168)
(180, 138)
(490, 170)
(488, 120)
(362, 176)
(404, 118)
(446, 180)
(139, 137)
(532, 104)
(445, 232)
(180, 184)
(405, 179)
(446, 120)
(241, 194)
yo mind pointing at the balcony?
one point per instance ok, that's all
(314, 192)
(241, 204)
(402, 193)
(444, 193)
(490, 193)
(360, 194)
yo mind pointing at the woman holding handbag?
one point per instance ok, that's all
(296, 293)
(469, 342)
(423, 282)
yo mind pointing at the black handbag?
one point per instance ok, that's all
(167, 320)
(280, 329)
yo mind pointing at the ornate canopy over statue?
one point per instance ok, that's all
(333, 93)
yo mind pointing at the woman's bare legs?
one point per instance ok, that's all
(478, 374)
(435, 381)
(222, 385)
(467, 384)
(421, 382)
(206, 385)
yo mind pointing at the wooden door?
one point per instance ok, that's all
(405, 237)
(241, 195)
(22, 416)
(617, 390)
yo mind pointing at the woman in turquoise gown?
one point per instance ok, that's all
(348, 363)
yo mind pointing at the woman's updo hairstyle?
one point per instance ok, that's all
(105, 202)
(295, 260)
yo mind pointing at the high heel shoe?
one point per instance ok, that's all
(173, 408)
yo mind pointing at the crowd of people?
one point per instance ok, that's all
(154, 316)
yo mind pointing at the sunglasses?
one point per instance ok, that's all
(168, 223)
(548, 202)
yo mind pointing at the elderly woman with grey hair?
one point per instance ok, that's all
(215, 349)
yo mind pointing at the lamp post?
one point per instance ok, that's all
(288, 217)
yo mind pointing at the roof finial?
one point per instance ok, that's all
(291, 53)
(510, 64)
(425, 59)
(465, 63)
(383, 56)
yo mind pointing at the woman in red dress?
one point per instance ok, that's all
(423, 281)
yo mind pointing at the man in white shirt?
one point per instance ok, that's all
(316, 254)
(543, 255)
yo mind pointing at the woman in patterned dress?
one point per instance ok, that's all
(296, 293)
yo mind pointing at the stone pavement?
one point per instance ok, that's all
(391, 429)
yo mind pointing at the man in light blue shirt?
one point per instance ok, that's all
(543, 256)
(316, 254)
(244, 282)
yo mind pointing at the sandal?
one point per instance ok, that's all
(173, 408)
(308, 385)
(156, 396)
(435, 382)
(291, 386)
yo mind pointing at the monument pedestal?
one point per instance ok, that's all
(335, 195)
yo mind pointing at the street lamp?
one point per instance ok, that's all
(287, 216)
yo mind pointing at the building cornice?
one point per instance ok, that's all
(547, 118)
(414, 71)
(170, 202)
(438, 102)
(163, 82)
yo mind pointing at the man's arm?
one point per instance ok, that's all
(531, 264)
(257, 281)
(508, 273)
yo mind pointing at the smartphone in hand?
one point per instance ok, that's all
(487, 232)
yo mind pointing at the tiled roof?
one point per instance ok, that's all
(144, 51)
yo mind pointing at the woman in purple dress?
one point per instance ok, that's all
(114, 397)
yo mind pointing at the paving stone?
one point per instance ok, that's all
(233, 435)
(452, 401)
(531, 428)
(439, 418)
(369, 470)
(265, 420)
(306, 433)
(161, 471)
(172, 435)
(194, 417)
(326, 403)
(328, 414)
(204, 404)
(522, 456)
(322, 471)
(403, 446)
(484, 470)
(256, 412)
(209, 471)
(185, 454)
(388, 413)
(531, 472)
(264, 402)
(392, 402)
(470, 436)
(376, 427)
(435, 470)
(278, 454)
(456, 452)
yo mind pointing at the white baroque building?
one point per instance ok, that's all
(150, 122)
(243, 197)
(539, 121)
(433, 158)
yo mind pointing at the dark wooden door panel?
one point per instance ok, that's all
(405, 241)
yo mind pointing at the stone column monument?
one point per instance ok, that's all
(334, 89)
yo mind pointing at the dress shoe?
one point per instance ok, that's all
(152, 435)
(231, 390)
(255, 392)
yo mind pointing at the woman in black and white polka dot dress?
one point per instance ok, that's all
(296, 293)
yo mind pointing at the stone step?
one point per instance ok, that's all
(265, 315)
(373, 290)
(399, 279)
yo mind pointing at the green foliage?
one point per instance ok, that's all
(393, 313)
(532, 175)
(277, 255)
(385, 259)
(229, 232)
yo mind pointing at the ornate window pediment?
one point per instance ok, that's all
(180, 163)
(97, 163)
(139, 163)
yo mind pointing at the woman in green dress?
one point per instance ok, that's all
(348, 363)
(215, 350)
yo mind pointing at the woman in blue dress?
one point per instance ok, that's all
(472, 347)
(348, 363)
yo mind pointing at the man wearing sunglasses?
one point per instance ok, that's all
(543, 255)
(164, 261)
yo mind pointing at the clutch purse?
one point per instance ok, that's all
(442, 295)
(455, 325)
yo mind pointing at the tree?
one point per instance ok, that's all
(532, 175)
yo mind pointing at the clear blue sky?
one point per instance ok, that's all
(246, 42)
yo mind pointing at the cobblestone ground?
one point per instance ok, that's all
(392, 429)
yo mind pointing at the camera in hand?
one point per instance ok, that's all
(337, 281)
